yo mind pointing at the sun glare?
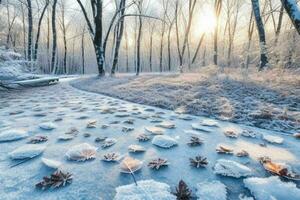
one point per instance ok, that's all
(206, 21)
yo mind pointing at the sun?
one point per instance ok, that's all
(206, 20)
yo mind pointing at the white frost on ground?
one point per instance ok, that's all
(214, 190)
(268, 99)
(232, 169)
(145, 190)
(67, 107)
(272, 188)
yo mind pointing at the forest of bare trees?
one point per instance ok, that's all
(109, 36)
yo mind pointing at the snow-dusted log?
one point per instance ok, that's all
(293, 11)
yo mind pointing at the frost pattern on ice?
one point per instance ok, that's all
(214, 190)
(231, 168)
(12, 135)
(272, 188)
(27, 151)
(164, 141)
(146, 190)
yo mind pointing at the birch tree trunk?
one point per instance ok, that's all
(30, 26)
(54, 36)
(261, 33)
(293, 11)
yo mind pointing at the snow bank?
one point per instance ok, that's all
(272, 188)
(214, 190)
(231, 168)
(12, 67)
(146, 190)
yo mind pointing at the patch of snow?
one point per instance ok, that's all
(164, 141)
(51, 163)
(27, 151)
(48, 126)
(272, 188)
(214, 190)
(12, 135)
(273, 139)
(231, 168)
(145, 190)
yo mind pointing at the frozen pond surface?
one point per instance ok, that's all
(67, 107)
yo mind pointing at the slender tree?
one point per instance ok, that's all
(261, 34)
(218, 8)
(36, 46)
(30, 28)
(293, 11)
(54, 36)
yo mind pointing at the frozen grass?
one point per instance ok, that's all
(269, 99)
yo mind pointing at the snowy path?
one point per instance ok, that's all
(68, 107)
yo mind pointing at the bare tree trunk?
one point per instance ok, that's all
(250, 34)
(39, 30)
(139, 37)
(218, 7)
(54, 36)
(261, 33)
(30, 27)
(126, 50)
(198, 48)
(120, 30)
(151, 48)
(293, 12)
(83, 51)
(24, 30)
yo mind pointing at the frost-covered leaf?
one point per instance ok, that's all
(155, 130)
(231, 168)
(273, 139)
(183, 192)
(199, 127)
(130, 165)
(127, 129)
(38, 139)
(65, 137)
(56, 180)
(164, 141)
(81, 152)
(144, 190)
(48, 126)
(272, 188)
(209, 122)
(231, 134)
(297, 135)
(27, 151)
(91, 124)
(111, 157)
(158, 163)
(279, 169)
(108, 142)
(143, 138)
(72, 131)
(224, 150)
(214, 190)
(12, 135)
(166, 124)
(198, 162)
(51, 163)
(242, 153)
(136, 148)
(195, 141)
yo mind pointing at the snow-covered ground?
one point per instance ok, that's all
(52, 111)
(268, 99)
